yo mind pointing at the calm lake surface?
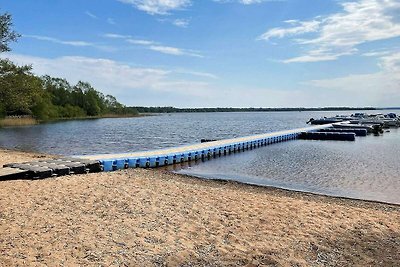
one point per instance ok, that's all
(368, 168)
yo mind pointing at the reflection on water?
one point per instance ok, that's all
(368, 168)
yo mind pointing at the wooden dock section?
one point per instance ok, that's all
(163, 157)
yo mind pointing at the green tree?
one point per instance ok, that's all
(19, 88)
(87, 98)
(23, 93)
(113, 106)
(43, 108)
(60, 90)
(7, 35)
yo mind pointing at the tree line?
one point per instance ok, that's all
(46, 97)
(178, 110)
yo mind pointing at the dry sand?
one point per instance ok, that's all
(155, 218)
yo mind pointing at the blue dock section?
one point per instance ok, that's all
(163, 157)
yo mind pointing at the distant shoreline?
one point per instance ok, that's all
(146, 110)
(153, 111)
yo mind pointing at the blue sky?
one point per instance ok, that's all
(226, 53)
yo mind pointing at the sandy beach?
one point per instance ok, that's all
(155, 218)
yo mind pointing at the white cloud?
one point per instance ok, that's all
(174, 51)
(116, 36)
(155, 46)
(391, 63)
(197, 73)
(155, 86)
(103, 71)
(183, 23)
(140, 42)
(340, 33)
(93, 16)
(249, 2)
(379, 88)
(161, 87)
(58, 41)
(319, 55)
(160, 7)
(148, 86)
(376, 53)
(300, 28)
(70, 43)
(111, 21)
(246, 2)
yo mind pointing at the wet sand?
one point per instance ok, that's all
(156, 218)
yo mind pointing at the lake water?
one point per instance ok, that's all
(368, 168)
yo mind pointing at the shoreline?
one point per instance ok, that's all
(270, 187)
(16, 122)
(149, 217)
(32, 155)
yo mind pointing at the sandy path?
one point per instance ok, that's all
(154, 218)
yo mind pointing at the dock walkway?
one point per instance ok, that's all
(146, 159)
(162, 157)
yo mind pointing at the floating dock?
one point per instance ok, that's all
(343, 131)
(358, 132)
(48, 168)
(334, 136)
(163, 157)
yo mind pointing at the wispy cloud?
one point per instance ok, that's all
(157, 7)
(131, 85)
(340, 33)
(70, 43)
(58, 41)
(381, 52)
(111, 21)
(90, 14)
(247, 2)
(116, 36)
(174, 51)
(369, 88)
(155, 46)
(298, 27)
(321, 54)
(157, 86)
(140, 42)
(376, 54)
(183, 23)
(197, 73)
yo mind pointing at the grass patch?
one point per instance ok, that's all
(22, 121)
(6, 122)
